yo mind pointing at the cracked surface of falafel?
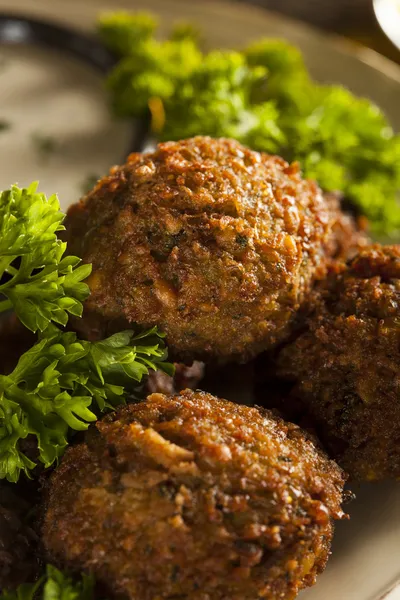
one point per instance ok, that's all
(345, 365)
(194, 497)
(216, 244)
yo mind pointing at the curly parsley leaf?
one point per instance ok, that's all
(148, 68)
(54, 585)
(36, 280)
(123, 32)
(63, 384)
(215, 99)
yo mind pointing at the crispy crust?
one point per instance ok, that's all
(214, 243)
(346, 364)
(194, 497)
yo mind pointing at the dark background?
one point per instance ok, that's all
(351, 18)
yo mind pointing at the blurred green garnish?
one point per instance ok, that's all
(265, 98)
(53, 585)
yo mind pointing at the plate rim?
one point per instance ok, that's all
(340, 43)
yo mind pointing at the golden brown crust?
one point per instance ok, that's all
(346, 365)
(195, 498)
(214, 243)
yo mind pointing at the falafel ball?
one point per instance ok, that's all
(346, 364)
(214, 243)
(194, 497)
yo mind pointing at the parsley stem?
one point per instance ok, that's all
(11, 270)
(5, 305)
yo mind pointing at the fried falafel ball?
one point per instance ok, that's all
(196, 498)
(214, 243)
(346, 365)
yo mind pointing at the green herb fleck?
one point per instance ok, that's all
(241, 240)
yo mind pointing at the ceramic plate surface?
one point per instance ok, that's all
(49, 96)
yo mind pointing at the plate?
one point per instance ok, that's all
(59, 95)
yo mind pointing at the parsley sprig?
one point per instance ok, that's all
(36, 280)
(63, 383)
(53, 585)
